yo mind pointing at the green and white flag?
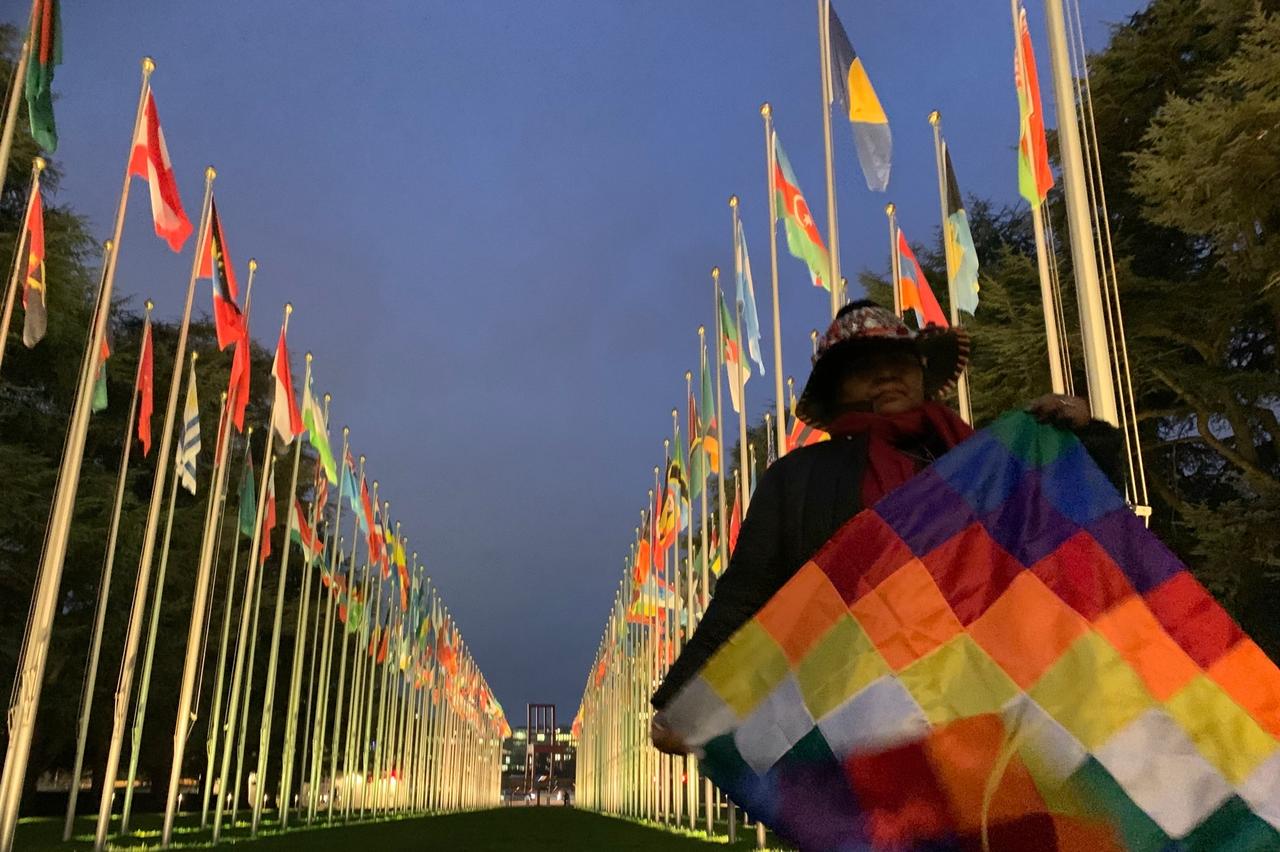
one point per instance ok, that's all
(318, 433)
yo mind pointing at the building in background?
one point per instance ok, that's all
(539, 760)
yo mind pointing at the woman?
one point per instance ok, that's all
(874, 388)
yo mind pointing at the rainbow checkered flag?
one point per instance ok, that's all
(998, 655)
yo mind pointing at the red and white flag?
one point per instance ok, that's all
(285, 416)
(150, 161)
(269, 520)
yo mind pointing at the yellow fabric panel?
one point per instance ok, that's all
(1224, 733)
(864, 105)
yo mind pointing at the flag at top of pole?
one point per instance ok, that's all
(189, 445)
(285, 417)
(803, 240)
(732, 354)
(914, 288)
(46, 53)
(35, 319)
(852, 87)
(150, 161)
(216, 265)
(146, 390)
(1035, 177)
(747, 296)
(963, 256)
(318, 433)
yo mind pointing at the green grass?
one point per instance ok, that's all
(554, 829)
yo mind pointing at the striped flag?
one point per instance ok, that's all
(732, 354)
(35, 321)
(851, 86)
(189, 445)
(318, 432)
(747, 296)
(285, 417)
(150, 161)
(1035, 176)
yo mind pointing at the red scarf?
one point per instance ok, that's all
(932, 425)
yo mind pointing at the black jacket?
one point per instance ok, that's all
(800, 502)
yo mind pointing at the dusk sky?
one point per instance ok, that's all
(496, 222)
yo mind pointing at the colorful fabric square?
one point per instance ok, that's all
(997, 655)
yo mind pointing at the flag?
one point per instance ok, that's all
(657, 551)
(852, 87)
(803, 240)
(99, 402)
(269, 521)
(964, 257)
(747, 296)
(1035, 177)
(146, 390)
(35, 319)
(248, 497)
(321, 492)
(802, 434)
(238, 386)
(643, 561)
(678, 479)
(735, 517)
(46, 53)
(318, 433)
(668, 519)
(189, 444)
(708, 428)
(351, 490)
(302, 533)
(732, 355)
(215, 264)
(1044, 675)
(150, 161)
(285, 417)
(913, 288)
(697, 458)
(365, 512)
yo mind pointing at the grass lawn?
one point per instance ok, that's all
(549, 828)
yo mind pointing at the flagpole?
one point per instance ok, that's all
(125, 686)
(15, 94)
(237, 672)
(824, 47)
(216, 725)
(104, 586)
(342, 674)
(299, 649)
(720, 495)
(269, 697)
(31, 666)
(19, 256)
(200, 604)
(895, 269)
(766, 112)
(1084, 263)
(939, 154)
(742, 417)
(148, 657)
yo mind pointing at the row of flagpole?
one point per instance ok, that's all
(435, 740)
(618, 770)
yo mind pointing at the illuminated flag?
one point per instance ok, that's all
(732, 355)
(803, 240)
(35, 320)
(318, 433)
(268, 522)
(46, 53)
(709, 429)
(189, 444)
(747, 296)
(852, 87)
(216, 265)
(963, 261)
(913, 288)
(150, 161)
(238, 386)
(146, 391)
(303, 534)
(285, 417)
(1035, 177)
(99, 402)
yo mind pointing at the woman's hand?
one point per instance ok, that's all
(1069, 412)
(664, 739)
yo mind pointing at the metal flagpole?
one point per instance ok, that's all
(31, 664)
(743, 464)
(722, 526)
(104, 587)
(241, 730)
(939, 153)
(895, 271)
(342, 677)
(766, 112)
(216, 725)
(273, 659)
(833, 233)
(15, 94)
(134, 636)
(200, 602)
(299, 649)
(1097, 357)
(19, 256)
(251, 575)
(148, 658)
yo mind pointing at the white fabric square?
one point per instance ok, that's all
(1051, 752)
(774, 727)
(698, 714)
(1164, 773)
(879, 717)
(1262, 790)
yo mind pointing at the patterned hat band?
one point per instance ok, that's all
(869, 323)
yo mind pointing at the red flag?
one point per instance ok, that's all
(803, 435)
(269, 522)
(735, 519)
(146, 382)
(238, 387)
(285, 416)
(913, 288)
(321, 491)
(1035, 176)
(150, 161)
(657, 551)
(215, 264)
(35, 320)
(386, 642)
(644, 556)
(370, 523)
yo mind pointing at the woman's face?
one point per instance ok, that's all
(887, 382)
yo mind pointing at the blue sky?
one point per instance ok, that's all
(496, 220)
